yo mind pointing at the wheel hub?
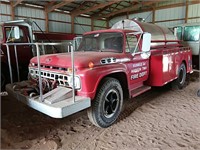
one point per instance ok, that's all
(111, 103)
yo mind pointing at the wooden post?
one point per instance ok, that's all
(72, 24)
(46, 20)
(12, 8)
(92, 24)
(154, 14)
(127, 15)
(186, 11)
(107, 23)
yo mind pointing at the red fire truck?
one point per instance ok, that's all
(108, 67)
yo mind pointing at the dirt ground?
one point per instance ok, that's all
(159, 119)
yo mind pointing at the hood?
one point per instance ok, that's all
(81, 59)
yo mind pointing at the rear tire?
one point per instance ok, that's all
(107, 105)
(198, 93)
(180, 82)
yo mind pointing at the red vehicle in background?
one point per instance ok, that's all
(108, 67)
(24, 52)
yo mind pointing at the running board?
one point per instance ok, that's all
(140, 90)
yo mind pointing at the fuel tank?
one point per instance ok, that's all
(160, 35)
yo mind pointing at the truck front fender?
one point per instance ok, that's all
(91, 78)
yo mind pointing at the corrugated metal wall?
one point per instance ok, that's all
(82, 25)
(194, 11)
(173, 16)
(99, 24)
(59, 22)
(5, 11)
(37, 15)
(116, 19)
(146, 15)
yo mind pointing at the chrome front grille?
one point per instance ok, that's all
(61, 78)
(49, 67)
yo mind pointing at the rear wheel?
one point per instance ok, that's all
(180, 82)
(198, 93)
(107, 105)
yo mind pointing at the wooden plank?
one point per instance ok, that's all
(92, 24)
(72, 24)
(46, 20)
(186, 11)
(12, 10)
(154, 14)
(15, 3)
(83, 4)
(97, 6)
(53, 7)
(130, 8)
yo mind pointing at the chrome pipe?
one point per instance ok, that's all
(9, 63)
(17, 63)
(39, 71)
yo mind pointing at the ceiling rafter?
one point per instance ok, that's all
(53, 7)
(95, 7)
(50, 3)
(15, 3)
(127, 9)
(82, 5)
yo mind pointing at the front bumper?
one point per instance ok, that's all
(57, 109)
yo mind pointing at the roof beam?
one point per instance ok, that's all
(97, 6)
(53, 7)
(130, 8)
(79, 7)
(15, 3)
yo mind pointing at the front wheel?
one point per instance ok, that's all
(107, 105)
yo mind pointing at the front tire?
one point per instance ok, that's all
(107, 104)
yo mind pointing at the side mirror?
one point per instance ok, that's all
(77, 42)
(33, 37)
(146, 42)
(16, 32)
(175, 31)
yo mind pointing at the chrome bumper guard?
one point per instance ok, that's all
(61, 106)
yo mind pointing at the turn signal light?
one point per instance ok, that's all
(91, 65)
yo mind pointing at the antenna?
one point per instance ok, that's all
(123, 23)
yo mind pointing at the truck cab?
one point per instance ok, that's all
(24, 52)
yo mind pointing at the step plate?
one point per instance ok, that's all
(59, 109)
(140, 90)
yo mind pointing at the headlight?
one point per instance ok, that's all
(77, 82)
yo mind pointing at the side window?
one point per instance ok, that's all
(178, 32)
(10, 36)
(191, 33)
(131, 43)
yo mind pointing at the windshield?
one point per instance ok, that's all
(10, 37)
(191, 33)
(108, 42)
